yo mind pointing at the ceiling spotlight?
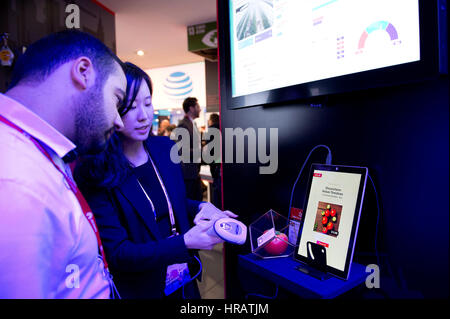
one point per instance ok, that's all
(140, 53)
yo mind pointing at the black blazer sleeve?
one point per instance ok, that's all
(121, 252)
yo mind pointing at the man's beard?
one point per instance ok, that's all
(91, 128)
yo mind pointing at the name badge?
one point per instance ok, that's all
(176, 277)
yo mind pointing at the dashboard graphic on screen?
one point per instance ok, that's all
(280, 43)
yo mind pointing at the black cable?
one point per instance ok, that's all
(378, 220)
(190, 280)
(328, 162)
(262, 296)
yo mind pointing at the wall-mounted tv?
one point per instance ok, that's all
(279, 50)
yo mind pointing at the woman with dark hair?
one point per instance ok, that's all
(137, 195)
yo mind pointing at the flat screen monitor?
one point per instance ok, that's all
(333, 207)
(278, 50)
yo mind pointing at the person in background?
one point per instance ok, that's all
(191, 168)
(168, 131)
(214, 122)
(163, 126)
(62, 101)
(137, 195)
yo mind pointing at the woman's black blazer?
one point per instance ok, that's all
(136, 252)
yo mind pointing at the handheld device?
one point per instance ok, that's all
(230, 230)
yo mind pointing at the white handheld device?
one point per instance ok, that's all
(230, 230)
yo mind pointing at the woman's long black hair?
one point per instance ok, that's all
(110, 168)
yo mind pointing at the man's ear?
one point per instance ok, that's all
(82, 73)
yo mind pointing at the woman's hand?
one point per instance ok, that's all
(209, 212)
(198, 238)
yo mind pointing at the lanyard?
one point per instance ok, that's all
(81, 200)
(148, 198)
(169, 205)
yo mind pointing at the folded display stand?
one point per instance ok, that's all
(317, 265)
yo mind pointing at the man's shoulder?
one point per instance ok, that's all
(31, 186)
(185, 122)
(21, 160)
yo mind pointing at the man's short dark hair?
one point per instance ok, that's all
(44, 56)
(189, 102)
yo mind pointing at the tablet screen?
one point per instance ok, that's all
(330, 214)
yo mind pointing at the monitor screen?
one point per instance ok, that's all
(330, 214)
(281, 43)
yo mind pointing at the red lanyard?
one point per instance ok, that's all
(81, 200)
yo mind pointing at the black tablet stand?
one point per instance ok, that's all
(317, 262)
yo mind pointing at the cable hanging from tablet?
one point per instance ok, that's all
(327, 162)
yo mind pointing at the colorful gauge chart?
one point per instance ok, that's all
(376, 26)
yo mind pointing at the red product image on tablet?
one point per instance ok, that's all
(328, 217)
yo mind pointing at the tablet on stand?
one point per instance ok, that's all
(327, 235)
